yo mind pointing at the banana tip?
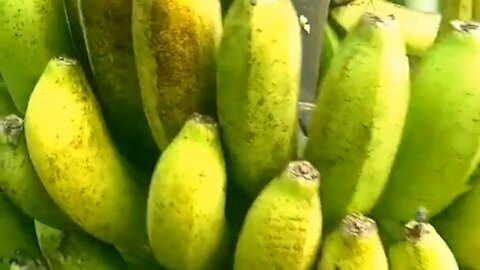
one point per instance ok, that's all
(378, 20)
(469, 27)
(66, 60)
(304, 170)
(358, 225)
(204, 119)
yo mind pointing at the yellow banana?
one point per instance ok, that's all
(31, 32)
(77, 162)
(354, 245)
(359, 117)
(283, 227)
(421, 249)
(419, 28)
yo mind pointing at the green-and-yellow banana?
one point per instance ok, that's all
(354, 245)
(186, 203)
(18, 178)
(106, 25)
(440, 146)
(258, 77)
(357, 126)
(283, 227)
(76, 160)
(31, 32)
(175, 42)
(331, 45)
(17, 234)
(459, 225)
(422, 248)
(419, 28)
(76, 251)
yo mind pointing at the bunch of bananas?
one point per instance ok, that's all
(163, 134)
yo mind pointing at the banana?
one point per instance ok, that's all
(186, 203)
(17, 235)
(283, 227)
(355, 245)
(18, 178)
(419, 28)
(459, 225)
(330, 46)
(258, 77)
(421, 249)
(76, 160)
(175, 42)
(443, 124)
(358, 121)
(6, 103)
(454, 10)
(106, 26)
(76, 251)
(31, 32)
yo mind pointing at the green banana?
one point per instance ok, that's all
(31, 32)
(76, 251)
(186, 203)
(421, 249)
(175, 42)
(454, 10)
(443, 124)
(283, 227)
(355, 245)
(258, 77)
(330, 46)
(358, 121)
(419, 28)
(6, 102)
(106, 27)
(76, 160)
(76, 35)
(18, 178)
(17, 235)
(459, 224)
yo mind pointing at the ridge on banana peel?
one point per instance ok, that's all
(283, 227)
(106, 26)
(100, 192)
(19, 180)
(443, 124)
(258, 87)
(31, 32)
(354, 245)
(175, 42)
(17, 234)
(331, 45)
(459, 225)
(357, 125)
(419, 28)
(186, 204)
(76, 251)
(421, 248)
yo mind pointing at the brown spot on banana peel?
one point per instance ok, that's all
(446, 129)
(175, 44)
(283, 227)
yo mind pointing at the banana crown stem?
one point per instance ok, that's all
(11, 127)
(358, 225)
